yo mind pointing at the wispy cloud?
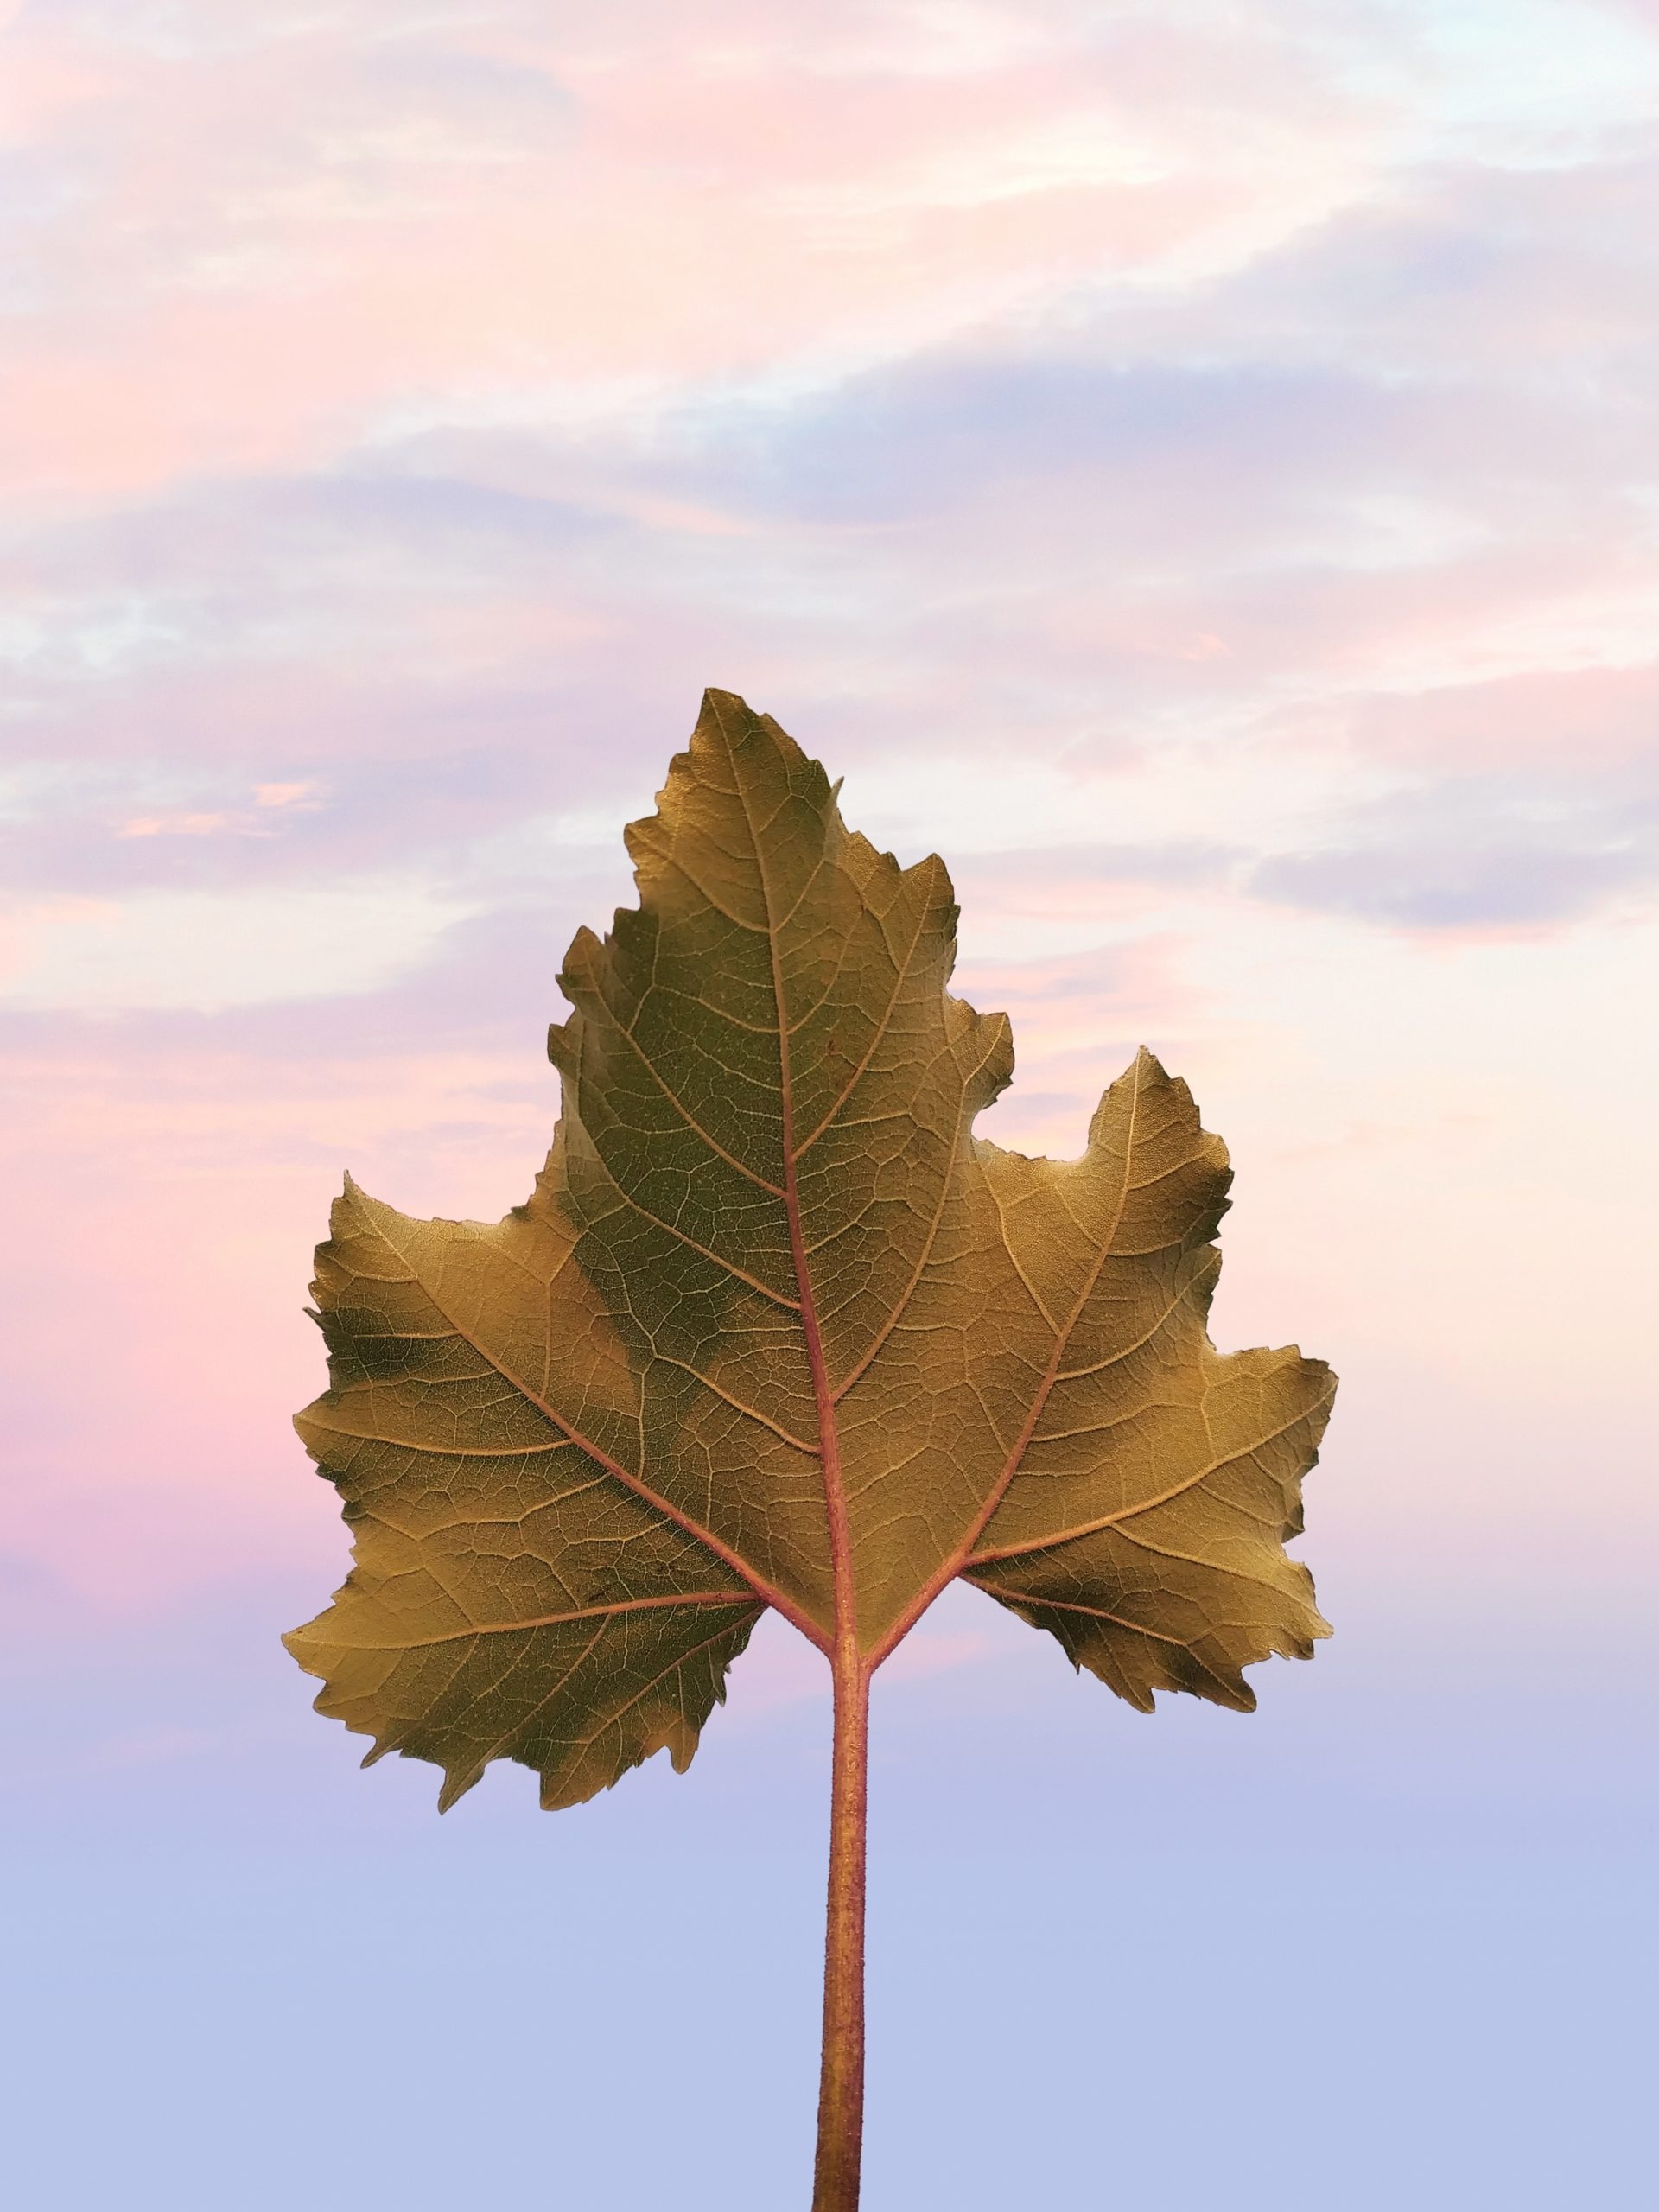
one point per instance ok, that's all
(1468, 853)
(207, 951)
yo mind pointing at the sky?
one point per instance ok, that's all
(1197, 468)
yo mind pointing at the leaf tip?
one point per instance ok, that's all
(456, 1782)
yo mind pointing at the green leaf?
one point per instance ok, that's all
(776, 1329)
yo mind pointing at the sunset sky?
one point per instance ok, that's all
(1196, 466)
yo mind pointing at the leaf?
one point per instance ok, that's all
(776, 1329)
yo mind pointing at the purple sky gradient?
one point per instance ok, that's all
(1196, 469)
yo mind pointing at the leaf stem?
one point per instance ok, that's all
(841, 2088)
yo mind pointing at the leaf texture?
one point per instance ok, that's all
(776, 1329)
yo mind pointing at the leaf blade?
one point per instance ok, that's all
(776, 1328)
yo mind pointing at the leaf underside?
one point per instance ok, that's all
(768, 1271)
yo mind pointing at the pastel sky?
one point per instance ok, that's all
(1195, 467)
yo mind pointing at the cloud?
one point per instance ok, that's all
(1475, 854)
(935, 479)
(203, 951)
(1577, 722)
(377, 209)
(175, 825)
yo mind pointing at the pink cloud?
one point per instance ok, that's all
(1578, 719)
(174, 825)
(345, 238)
